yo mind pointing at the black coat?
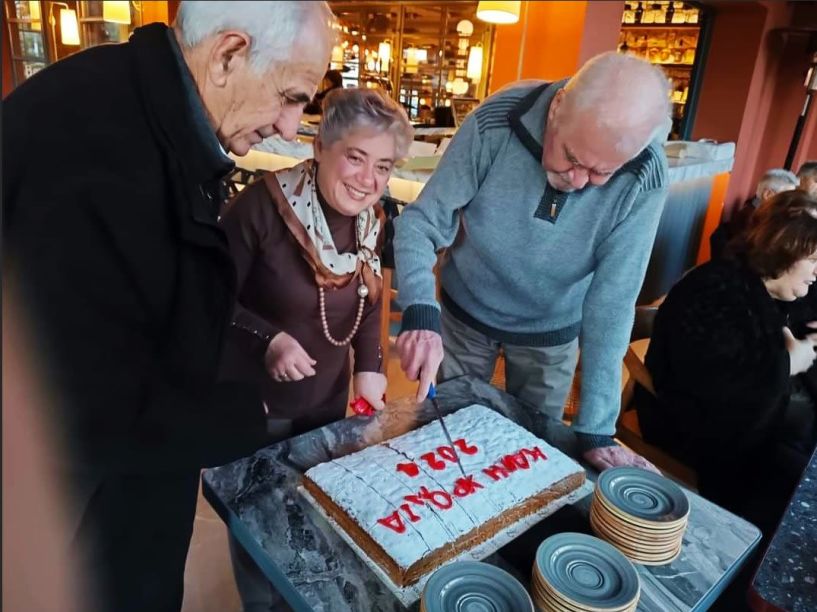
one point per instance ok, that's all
(720, 369)
(111, 237)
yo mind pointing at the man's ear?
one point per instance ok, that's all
(230, 51)
(317, 148)
(557, 101)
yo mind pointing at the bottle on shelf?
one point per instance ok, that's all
(638, 14)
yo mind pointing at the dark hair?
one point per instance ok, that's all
(782, 231)
(334, 77)
(809, 168)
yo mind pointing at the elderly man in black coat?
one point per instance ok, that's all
(113, 160)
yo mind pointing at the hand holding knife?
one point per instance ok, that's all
(432, 395)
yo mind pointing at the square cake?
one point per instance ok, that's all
(406, 503)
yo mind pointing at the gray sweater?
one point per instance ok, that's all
(527, 264)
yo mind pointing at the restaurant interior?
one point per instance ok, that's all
(742, 79)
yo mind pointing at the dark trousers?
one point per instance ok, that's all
(132, 539)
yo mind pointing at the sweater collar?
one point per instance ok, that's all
(172, 99)
(529, 118)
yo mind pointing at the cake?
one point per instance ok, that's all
(406, 503)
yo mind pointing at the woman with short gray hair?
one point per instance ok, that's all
(306, 243)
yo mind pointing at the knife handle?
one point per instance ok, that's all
(362, 407)
(432, 392)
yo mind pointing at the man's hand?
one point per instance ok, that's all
(617, 456)
(371, 386)
(286, 360)
(421, 352)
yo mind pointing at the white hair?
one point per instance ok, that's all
(624, 96)
(776, 180)
(346, 110)
(275, 28)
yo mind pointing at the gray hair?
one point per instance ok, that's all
(623, 95)
(808, 169)
(274, 27)
(346, 110)
(776, 180)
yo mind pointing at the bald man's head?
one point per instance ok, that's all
(605, 115)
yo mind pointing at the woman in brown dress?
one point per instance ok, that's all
(305, 241)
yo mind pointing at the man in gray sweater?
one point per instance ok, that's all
(547, 201)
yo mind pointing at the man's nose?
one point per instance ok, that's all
(287, 124)
(578, 177)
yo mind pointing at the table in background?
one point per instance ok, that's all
(314, 569)
(787, 576)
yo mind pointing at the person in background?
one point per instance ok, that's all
(807, 175)
(772, 182)
(426, 114)
(547, 201)
(126, 275)
(731, 359)
(332, 80)
(306, 243)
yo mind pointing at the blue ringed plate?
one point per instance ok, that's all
(643, 494)
(471, 586)
(587, 571)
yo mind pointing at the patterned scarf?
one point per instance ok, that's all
(294, 192)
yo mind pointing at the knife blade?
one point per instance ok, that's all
(432, 395)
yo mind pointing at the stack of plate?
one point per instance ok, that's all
(574, 572)
(641, 513)
(471, 586)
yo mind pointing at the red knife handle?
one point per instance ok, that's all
(362, 407)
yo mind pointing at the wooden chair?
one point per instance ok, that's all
(629, 430)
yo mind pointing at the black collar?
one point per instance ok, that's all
(173, 102)
(527, 139)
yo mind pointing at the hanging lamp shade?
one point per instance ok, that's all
(499, 12)
(384, 54)
(69, 28)
(474, 70)
(116, 12)
(465, 28)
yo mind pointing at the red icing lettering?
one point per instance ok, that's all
(393, 522)
(407, 509)
(409, 469)
(446, 452)
(432, 461)
(466, 486)
(414, 499)
(496, 472)
(441, 499)
(463, 447)
(514, 462)
(535, 454)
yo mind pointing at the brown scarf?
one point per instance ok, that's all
(294, 193)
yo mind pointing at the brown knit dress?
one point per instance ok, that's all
(278, 292)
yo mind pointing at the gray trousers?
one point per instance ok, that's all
(538, 376)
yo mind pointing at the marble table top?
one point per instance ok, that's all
(787, 576)
(313, 569)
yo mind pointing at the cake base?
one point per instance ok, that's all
(410, 593)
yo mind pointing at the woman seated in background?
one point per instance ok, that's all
(306, 242)
(731, 362)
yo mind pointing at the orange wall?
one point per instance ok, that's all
(752, 90)
(558, 38)
(154, 10)
(601, 27)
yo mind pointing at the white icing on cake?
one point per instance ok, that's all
(368, 486)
